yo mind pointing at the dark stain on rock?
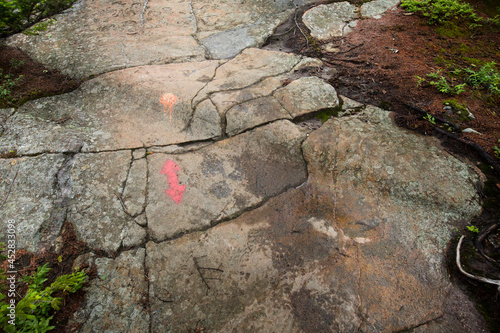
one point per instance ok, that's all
(293, 239)
(220, 189)
(313, 313)
(271, 173)
(212, 166)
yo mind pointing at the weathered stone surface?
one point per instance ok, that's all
(96, 210)
(376, 8)
(5, 113)
(138, 153)
(307, 95)
(134, 194)
(115, 301)
(229, 43)
(32, 198)
(224, 179)
(348, 103)
(253, 113)
(227, 99)
(328, 21)
(386, 178)
(120, 110)
(97, 36)
(218, 16)
(324, 257)
(248, 68)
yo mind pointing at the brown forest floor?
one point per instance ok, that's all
(367, 69)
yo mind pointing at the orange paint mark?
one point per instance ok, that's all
(168, 100)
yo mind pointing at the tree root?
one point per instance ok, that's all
(478, 278)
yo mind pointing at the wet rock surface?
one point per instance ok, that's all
(209, 195)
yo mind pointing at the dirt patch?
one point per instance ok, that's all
(35, 80)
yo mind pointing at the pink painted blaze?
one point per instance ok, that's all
(175, 191)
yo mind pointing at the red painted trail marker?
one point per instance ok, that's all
(175, 191)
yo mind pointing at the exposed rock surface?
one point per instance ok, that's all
(211, 210)
(376, 8)
(224, 179)
(96, 36)
(328, 21)
(116, 111)
(337, 19)
(116, 299)
(331, 256)
(32, 198)
(97, 211)
(306, 95)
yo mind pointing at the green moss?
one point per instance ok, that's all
(463, 48)
(459, 109)
(452, 30)
(474, 61)
(384, 105)
(326, 114)
(442, 61)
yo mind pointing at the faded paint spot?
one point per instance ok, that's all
(320, 225)
(168, 100)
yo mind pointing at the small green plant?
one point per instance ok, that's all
(7, 82)
(14, 63)
(18, 15)
(487, 77)
(35, 310)
(473, 228)
(441, 84)
(441, 11)
(430, 119)
(420, 80)
(496, 151)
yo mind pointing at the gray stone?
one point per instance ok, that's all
(328, 21)
(224, 179)
(253, 113)
(227, 99)
(308, 63)
(307, 95)
(98, 36)
(180, 149)
(248, 68)
(120, 110)
(134, 194)
(115, 301)
(206, 121)
(5, 114)
(215, 17)
(32, 198)
(366, 161)
(348, 103)
(138, 153)
(360, 247)
(141, 220)
(376, 8)
(97, 213)
(229, 43)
